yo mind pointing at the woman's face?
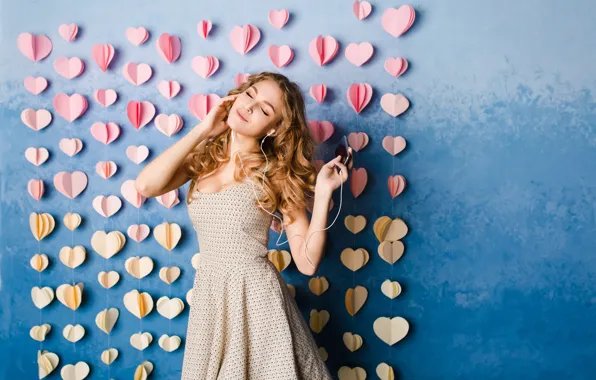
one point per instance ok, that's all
(256, 110)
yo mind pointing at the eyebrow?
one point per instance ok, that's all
(269, 104)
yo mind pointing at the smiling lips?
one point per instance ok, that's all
(240, 115)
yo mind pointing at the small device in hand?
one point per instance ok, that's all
(344, 150)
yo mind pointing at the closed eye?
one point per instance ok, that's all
(261, 107)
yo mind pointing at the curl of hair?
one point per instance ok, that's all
(290, 177)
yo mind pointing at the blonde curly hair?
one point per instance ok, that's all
(291, 174)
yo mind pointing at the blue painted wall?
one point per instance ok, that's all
(498, 274)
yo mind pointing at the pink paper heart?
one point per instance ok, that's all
(36, 119)
(169, 199)
(137, 36)
(168, 88)
(137, 74)
(168, 125)
(140, 113)
(358, 140)
(105, 133)
(397, 21)
(240, 78)
(278, 18)
(169, 47)
(137, 154)
(106, 206)
(203, 28)
(280, 56)
(70, 107)
(205, 66)
(68, 31)
(35, 188)
(396, 184)
(394, 104)
(359, 95)
(69, 67)
(37, 156)
(138, 232)
(361, 9)
(320, 130)
(358, 54)
(102, 55)
(106, 169)
(36, 85)
(200, 105)
(70, 146)
(105, 97)
(70, 184)
(244, 38)
(394, 145)
(318, 92)
(323, 49)
(358, 180)
(396, 66)
(34, 47)
(130, 193)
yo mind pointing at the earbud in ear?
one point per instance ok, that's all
(270, 132)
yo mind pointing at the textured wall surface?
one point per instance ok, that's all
(498, 273)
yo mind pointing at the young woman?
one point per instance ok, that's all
(249, 157)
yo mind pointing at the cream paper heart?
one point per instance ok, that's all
(73, 333)
(323, 353)
(318, 285)
(47, 362)
(195, 260)
(354, 259)
(169, 343)
(140, 341)
(391, 330)
(108, 279)
(78, 371)
(109, 355)
(72, 257)
(355, 299)
(385, 372)
(139, 267)
(390, 288)
(355, 224)
(347, 373)
(139, 304)
(39, 262)
(352, 341)
(107, 244)
(72, 220)
(167, 235)
(106, 319)
(318, 320)
(42, 296)
(169, 308)
(280, 258)
(70, 296)
(391, 251)
(189, 297)
(387, 229)
(39, 332)
(143, 370)
(169, 274)
(41, 225)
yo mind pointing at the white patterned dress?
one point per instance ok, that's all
(243, 322)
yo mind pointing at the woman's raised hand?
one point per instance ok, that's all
(215, 122)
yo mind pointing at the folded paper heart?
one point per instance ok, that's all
(69, 68)
(396, 66)
(397, 21)
(35, 85)
(391, 251)
(318, 92)
(47, 362)
(387, 229)
(39, 262)
(169, 199)
(105, 133)
(139, 267)
(137, 74)
(195, 260)
(358, 140)
(37, 156)
(278, 18)
(41, 225)
(35, 188)
(138, 232)
(358, 181)
(200, 105)
(73, 333)
(361, 9)
(391, 330)
(68, 31)
(355, 224)
(39, 333)
(143, 370)
(73, 257)
(130, 193)
(106, 319)
(168, 88)
(140, 341)
(169, 343)
(108, 279)
(203, 28)
(318, 285)
(385, 372)
(394, 145)
(42, 296)
(167, 235)
(106, 169)
(34, 47)
(72, 220)
(355, 299)
(169, 274)
(323, 49)
(396, 185)
(358, 54)
(138, 304)
(354, 259)
(108, 356)
(240, 78)
(70, 107)
(169, 47)
(70, 184)
(205, 66)
(189, 297)
(394, 104)
(105, 97)
(347, 373)
(169, 308)
(280, 55)
(140, 113)
(36, 119)
(102, 55)
(359, 95)
(70, 147)
(318, 320)
(137, 154)
(320, 130)
(106, 206)
(168, 124)
(352, 341)
(107, 244)
(280, 258)
(70, 295)
(78, 371)
(391, 289)
(244, 38)
(137, 36)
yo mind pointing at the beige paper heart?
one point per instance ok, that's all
(169, 343)
(108, 279)
(47, 362)
(168, 235)
(380, 227)
(391, 330)
(355, 299)
(143, 370)
(318, 285)
(391, 289)
(139, 267)
(73, 333)
(355, 224)
(41, 225)
(108, 356)
(169, 308)
(280, 258)
(354, 259)
(195, 260)
(72, 220)
(107, 244)
(323, 353)
(318, 320)
(347, 373)
(39, 332)
(139, 304)
(140, 341)
(78, 371)
(72, 257)
(385, 372)
(391, 251)
(106, 319)
(169, 274)
(70, 296)
(396, 231)
(189, 297)
(292, 290)
(352, 341)
(42, 296)
(39, 262)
